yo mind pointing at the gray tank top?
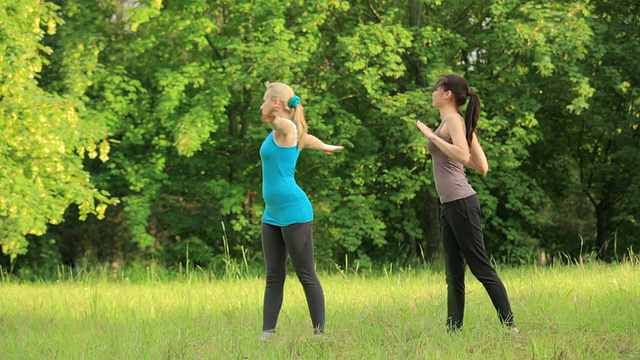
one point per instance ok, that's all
(451, 181)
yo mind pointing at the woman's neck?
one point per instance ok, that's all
(447, 111)
(283, 113)
(280, 116)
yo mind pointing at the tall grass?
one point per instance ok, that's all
(586, 311)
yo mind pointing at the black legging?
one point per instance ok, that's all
(296, 240)
(464, 243)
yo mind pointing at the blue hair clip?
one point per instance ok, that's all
(294, 101)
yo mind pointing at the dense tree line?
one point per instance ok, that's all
(132, 128)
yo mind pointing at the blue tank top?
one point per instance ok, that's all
(286, 203)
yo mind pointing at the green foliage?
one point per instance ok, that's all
(591, 142)
(157, 104)
(45, 136)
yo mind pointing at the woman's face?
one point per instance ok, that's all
(268, 107)
(439, 97)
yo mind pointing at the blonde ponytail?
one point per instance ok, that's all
(297, 114)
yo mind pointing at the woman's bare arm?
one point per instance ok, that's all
(478, 159)
(312, 142)
(458, 150)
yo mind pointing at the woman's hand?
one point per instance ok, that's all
(425, 129)
(332, 149)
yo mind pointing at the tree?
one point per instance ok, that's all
(45, 136)
(175, 87)
(594, 138)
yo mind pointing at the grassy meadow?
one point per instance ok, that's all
(563, 312)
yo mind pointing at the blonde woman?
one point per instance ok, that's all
(287, 223)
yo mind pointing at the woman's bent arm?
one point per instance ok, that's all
(478, 159)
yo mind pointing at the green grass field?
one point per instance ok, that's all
(563, 312)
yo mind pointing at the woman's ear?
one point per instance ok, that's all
(277, 104)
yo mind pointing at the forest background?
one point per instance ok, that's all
(131, 129)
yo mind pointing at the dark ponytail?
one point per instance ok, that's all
(471, 115)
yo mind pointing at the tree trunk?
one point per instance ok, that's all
(603, 209)
(433, 236)
(415, 12)
(432, 245)
(409, 240)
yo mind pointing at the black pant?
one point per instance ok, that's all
(297, 241)
(464, 243)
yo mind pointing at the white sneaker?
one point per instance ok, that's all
(266, 335)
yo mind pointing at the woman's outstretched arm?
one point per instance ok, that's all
(312, 142)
